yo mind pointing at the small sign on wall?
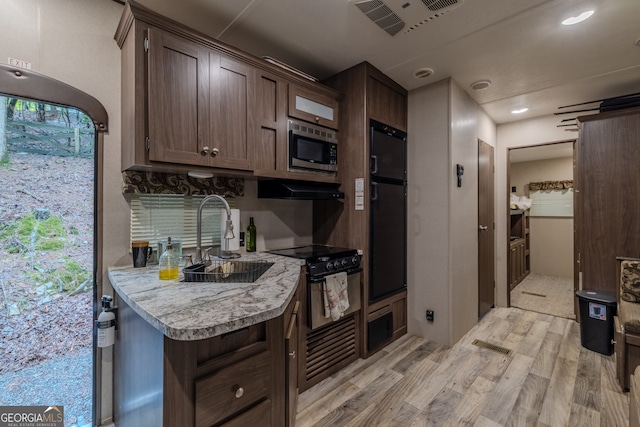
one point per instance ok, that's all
(19, 63)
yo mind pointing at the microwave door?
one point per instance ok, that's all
(388, 156)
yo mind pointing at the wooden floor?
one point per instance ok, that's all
(549, 379)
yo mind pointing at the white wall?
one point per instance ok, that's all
(524, 133)
(444, 128)
(428, 176)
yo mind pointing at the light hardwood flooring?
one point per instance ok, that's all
(549, 379)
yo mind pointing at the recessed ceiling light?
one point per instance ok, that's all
(422, 73)
(480, 84)
(575, 19)
(519, 110)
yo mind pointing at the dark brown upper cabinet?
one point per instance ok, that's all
(190, 102)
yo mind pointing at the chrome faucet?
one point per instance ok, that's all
(228, 234)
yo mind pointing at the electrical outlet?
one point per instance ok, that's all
(430, 315)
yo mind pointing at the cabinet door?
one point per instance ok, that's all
(177, 94)
(231, 95)
(313, 106)
(268, 122)
(291, 366)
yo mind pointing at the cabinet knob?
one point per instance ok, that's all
(317, 119)
(205, 151)
(239, 391)
(214, 152)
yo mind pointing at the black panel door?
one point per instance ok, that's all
(388, 239)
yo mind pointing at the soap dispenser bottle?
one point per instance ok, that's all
(168, 263)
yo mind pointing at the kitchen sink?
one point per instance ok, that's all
(226, 271)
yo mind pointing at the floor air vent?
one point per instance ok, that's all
(382, 16)
(492, 347)
(534, 294)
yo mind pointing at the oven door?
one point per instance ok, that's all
(316, 300)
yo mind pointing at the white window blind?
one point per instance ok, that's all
(552, 203)
(158, 216)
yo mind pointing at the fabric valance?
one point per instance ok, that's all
(550, 185)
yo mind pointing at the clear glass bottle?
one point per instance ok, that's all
(168, 263)
(250, 237)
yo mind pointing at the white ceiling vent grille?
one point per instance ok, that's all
(438, 9)
(436, 5)
(383, 17)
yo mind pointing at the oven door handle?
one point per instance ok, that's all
(321, 279)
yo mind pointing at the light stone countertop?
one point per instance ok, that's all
(188, 311)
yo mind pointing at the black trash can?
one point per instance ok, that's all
(597, 309)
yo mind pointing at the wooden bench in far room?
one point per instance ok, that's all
(627, 321)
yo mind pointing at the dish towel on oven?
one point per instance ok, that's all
(336, 299)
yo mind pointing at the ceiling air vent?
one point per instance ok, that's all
(383, 17)
(436, 5)
(437, 8)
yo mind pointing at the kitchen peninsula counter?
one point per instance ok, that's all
(188, 311)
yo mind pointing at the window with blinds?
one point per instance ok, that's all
(158, 216)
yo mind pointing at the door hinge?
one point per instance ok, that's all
(147, 144)
(146, 44)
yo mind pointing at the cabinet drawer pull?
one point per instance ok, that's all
(205, 151)
(214, 152)
(239, 391)
(293, 354)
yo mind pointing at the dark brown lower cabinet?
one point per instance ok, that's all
(517, 262)
(243, 378)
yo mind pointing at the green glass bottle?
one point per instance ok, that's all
(250, 243)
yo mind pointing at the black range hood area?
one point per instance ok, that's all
(298, 190)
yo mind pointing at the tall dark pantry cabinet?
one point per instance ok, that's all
(368, 95)
(606, 196)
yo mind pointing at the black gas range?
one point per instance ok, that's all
(322, 260)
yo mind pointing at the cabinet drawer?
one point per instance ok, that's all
(259, 415)
(232, 389)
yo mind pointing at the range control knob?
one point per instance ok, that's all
(329, 266)
(355, 260)
(344, 262)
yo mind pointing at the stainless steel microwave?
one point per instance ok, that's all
(312, 148)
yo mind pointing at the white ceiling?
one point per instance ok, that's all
(519, 45)
(541, 152)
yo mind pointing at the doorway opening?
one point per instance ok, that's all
(47, 248)
(540, 228)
